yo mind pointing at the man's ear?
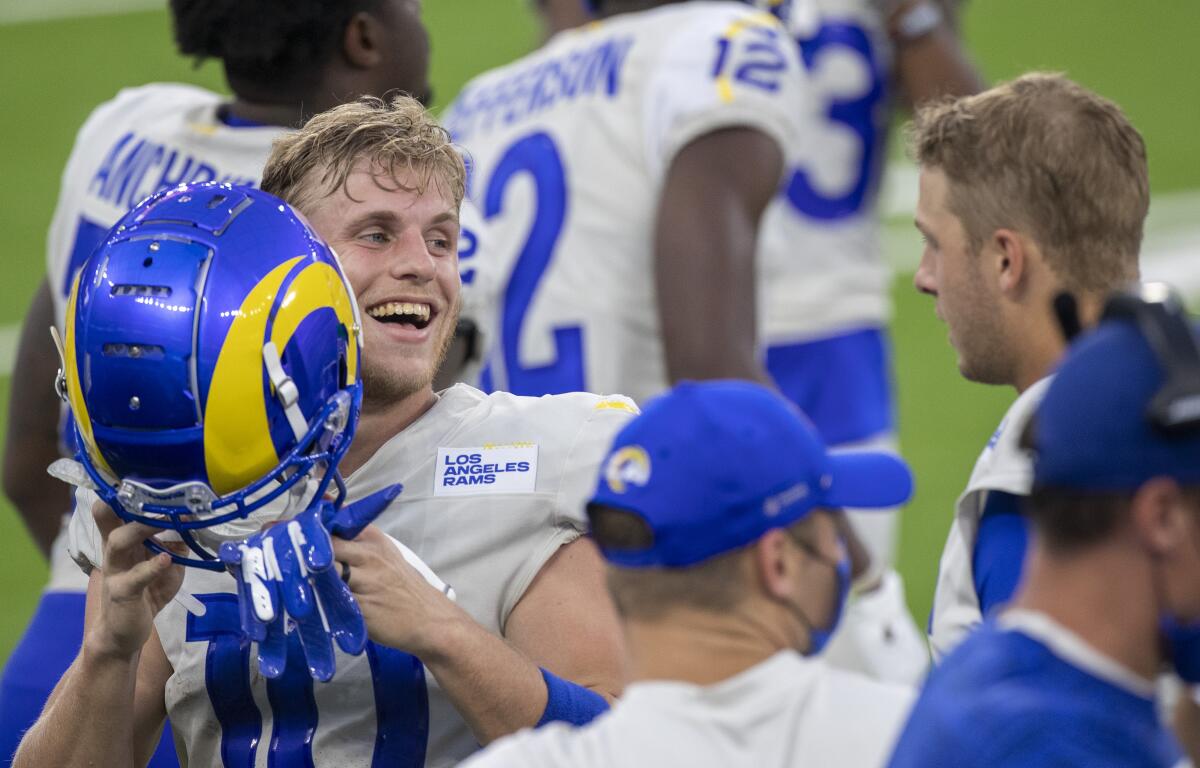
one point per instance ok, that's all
(1010, 254)
(363, 40)
(1159, 515)
(771, 564)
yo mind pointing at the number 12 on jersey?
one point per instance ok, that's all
(749, 55)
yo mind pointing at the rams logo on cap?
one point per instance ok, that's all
(628, 466)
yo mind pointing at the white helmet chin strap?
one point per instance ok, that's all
(60, 381)
(285, 390)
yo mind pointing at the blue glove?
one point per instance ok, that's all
(288, 569)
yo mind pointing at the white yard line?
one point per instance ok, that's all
(20, 11)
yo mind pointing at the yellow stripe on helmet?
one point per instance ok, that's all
(75, 388)
(237, 438)
(313, 289)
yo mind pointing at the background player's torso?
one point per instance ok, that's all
(822, 265)
(493, 486)
(146, 139)
(569, 148)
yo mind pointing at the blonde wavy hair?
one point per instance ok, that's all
(398, 137)
(1045, 155)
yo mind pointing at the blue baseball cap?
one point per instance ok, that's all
(1092, 430)
(712, 466)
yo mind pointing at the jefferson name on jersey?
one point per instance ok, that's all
(592, 71)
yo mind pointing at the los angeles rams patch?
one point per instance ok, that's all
(508, 468)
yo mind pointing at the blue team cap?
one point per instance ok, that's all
(1093, 429)
(712, 466)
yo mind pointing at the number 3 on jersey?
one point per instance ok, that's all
(857, 113)
(537, 156)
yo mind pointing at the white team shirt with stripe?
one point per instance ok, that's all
(569, 148)
(487, 540)
(783, 712)
(1002, 466)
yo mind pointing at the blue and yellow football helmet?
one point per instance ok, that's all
(211, 363)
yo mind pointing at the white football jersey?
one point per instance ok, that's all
(783, 712)
(493, 486)
(822, 264)
(569, 148)
(1003, 466)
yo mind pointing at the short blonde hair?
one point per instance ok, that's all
(397, 137)
(1047, 156)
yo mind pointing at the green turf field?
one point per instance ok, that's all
(1140, 54)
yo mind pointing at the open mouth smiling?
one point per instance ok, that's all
(415, 315)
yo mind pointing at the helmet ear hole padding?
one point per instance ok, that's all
(214, 383)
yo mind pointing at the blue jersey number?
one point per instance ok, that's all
(88, 235)
(537, 156)
(401, 697)
(752, 59)
(859, 114)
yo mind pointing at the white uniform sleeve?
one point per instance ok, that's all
(591, 445)
(733, 67)
(577, 482)
(83, 535)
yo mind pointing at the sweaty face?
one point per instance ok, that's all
(400, 252)
(953, 276)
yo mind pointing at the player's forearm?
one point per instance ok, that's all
(31, 443)
(935, 65)
(88, 720)
(705, 240)
(42, 511)
(495, 689)
(706, 297)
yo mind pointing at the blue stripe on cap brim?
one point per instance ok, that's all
(867, 481)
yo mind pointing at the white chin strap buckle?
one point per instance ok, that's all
(285, 390)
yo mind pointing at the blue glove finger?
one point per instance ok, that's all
(345, 619)
(352, 518)
(318, 551)
(298, 597)
(255, 596)
(272, 649)
(318, 649)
